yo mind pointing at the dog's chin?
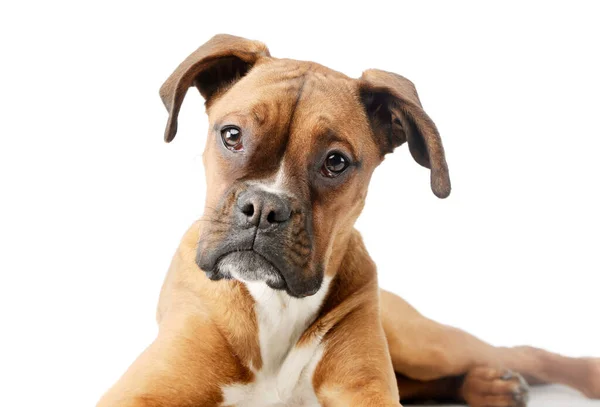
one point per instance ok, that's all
(250, 266)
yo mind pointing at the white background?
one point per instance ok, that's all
(94, 203)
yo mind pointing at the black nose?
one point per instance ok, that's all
(263, 209)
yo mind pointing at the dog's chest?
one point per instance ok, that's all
(285, 377)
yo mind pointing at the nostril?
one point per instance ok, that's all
(278, 216)
(262, 209)
(248, 209)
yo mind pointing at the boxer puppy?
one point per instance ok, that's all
(271, 298)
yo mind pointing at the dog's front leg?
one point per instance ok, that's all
(355, 369)
(186, 365)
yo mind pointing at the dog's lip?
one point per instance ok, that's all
(286, 286)
(262, 256)
(254, 251)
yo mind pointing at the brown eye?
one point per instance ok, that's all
(334, 165)
(232, 138)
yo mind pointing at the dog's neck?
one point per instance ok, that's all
(249, 315)
(282, 320)
(276, 337)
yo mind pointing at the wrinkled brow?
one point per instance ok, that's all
(328, 135)
(260, 112)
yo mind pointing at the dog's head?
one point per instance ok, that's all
(291, 148)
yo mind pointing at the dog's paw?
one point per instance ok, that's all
(487, 386)
(592, 386)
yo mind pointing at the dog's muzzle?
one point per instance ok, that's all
(261, 235)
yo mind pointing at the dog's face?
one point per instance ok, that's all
(288, 160)
(290, 151)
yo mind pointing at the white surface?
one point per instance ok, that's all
(550, 396)
(93, 203)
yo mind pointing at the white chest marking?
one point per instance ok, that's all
(285, 378)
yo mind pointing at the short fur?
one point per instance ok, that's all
(321, 332)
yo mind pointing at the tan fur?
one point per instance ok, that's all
(374, 343)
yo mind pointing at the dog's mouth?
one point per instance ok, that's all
(250, 266)
(280, 254)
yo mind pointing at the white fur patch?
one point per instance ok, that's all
(285, 378)
(278, 185)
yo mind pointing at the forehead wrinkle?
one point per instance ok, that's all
(295, 106)
(291, 109)
(260, 112)
(290, 122)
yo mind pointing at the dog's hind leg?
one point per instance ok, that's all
(425, 350)
(496, 391)
(440, 390)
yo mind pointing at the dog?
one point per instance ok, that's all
(271, 298)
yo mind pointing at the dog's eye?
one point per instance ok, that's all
(334, 165)
(232, 138)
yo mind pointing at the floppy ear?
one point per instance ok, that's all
(221, 61)
(396, 116)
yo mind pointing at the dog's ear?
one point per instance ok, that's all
(396, 116)
(221, 61)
